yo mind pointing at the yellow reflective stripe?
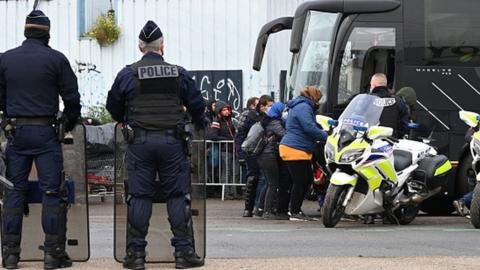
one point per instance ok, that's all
(476, 135)
(323, 121)
(447, 166)
(470, 118)
(374, 179)
(388, 170)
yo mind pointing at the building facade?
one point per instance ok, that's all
(199, 35)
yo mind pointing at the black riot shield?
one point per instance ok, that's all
(159, 249)
(78, 241)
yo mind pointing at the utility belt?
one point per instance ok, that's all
(36, 121)
(59, 122)
(182, 132)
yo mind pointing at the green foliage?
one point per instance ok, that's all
(105, 31)
(100, 113)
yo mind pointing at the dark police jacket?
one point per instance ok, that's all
(395, 112)
(122, 95)
(32, 77)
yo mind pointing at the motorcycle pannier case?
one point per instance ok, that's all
(433, 171)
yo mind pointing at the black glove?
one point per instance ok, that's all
(70, 124)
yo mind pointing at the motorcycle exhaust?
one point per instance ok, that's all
(417, 198)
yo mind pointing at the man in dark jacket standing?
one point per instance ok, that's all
(395, 111)
(149, 96)
(222, 128)
(32, 77)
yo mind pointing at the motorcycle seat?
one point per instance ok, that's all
(401, 159)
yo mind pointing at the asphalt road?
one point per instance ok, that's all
(233, 242)
(231, 236)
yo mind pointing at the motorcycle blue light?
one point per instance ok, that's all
(333, 123)
(360, 128)
(413, 126)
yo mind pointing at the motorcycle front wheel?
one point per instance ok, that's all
(475, 207)
(333, 209)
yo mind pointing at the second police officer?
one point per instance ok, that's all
(149, 96)
(32, 77)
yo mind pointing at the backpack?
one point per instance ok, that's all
(256, 140)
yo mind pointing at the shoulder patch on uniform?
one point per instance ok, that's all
(157, 71)
(385, 102)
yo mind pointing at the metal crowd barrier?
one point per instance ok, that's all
(218, 162)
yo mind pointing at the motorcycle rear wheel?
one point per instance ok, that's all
(406, 214)
(475, 207)
(333, 209)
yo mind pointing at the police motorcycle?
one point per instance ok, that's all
(473, 120)
(373, 173)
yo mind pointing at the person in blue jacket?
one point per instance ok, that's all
(297, 146)
(32, 78)
(149, 96)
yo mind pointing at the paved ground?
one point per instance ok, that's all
(306, 263)
(234, 242)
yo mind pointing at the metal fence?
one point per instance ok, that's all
(217, 161)
(214, 161)
(100, 175)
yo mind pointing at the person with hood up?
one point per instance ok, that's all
(274, 169)
(298, 144)
(222, 129)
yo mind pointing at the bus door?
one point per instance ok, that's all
(363, 51)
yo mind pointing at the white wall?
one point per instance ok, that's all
(199, 34)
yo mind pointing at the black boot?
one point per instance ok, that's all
(134, 260)
(247, 213)
(250, 194)
(11, 251)
(56, 258)
(11, 256)
(188, 259)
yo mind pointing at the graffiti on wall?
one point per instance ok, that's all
(91, 85)
(221, 85)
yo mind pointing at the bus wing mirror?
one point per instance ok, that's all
(275, 26)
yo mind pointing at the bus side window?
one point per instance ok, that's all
(367, 51)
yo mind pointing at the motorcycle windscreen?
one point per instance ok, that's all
(78, 242)
(159, 233)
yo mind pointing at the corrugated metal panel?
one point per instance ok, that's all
(199, 35)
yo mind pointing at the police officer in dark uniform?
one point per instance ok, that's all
(149, 96)
(32, 77)
(395, 112)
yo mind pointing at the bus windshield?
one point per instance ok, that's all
(310, 65)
